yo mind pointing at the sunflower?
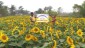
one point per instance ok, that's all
(59, 32)
(72, 46)
(21, 23)
(35, 30)
(21, 32)
(28, 37)
(42, 33)
(15, 28)
(79, 33)
(34, 38)
(69, 40)
(57, 22)
(83, 39)
(4, 38)
(55, 44)
(57, 35)
(51, 29)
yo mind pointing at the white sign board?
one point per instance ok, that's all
(42, 18)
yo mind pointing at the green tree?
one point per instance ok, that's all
(47, 10)
(1, 3)
(21, 10)
(79, 9)
(12, 10)
(3, 9)
(39, 11)
(59, 10)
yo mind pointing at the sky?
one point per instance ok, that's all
(33, 5)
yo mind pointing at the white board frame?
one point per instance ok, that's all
(42, 18)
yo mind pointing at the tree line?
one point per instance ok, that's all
(78, 10)
(6, 11)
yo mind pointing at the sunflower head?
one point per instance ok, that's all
(57, 22)
(43, 35)
(57, 35)
(35, 30)
(28, 37)
(21, 32)
(55, 44)
(34, 38)
(69, 40)
(4, 38)
(79, 33)
(72, 46)
(50, 29)
(42, 31)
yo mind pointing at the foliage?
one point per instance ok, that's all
(79, 9)
(20, 32)
(47, 10)
(3, 9)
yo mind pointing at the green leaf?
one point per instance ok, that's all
(2, 45)
(77, 46)
(46, 44)
(34, 47)
(82, 44)
(61, 40)
(13, 43)
(39, 41)
(30, 42)
(16, 36)
(19, 44)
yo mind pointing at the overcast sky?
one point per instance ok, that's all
(33, 5)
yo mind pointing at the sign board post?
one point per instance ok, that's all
(42, 18)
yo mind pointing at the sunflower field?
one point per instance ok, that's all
(20, 32)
